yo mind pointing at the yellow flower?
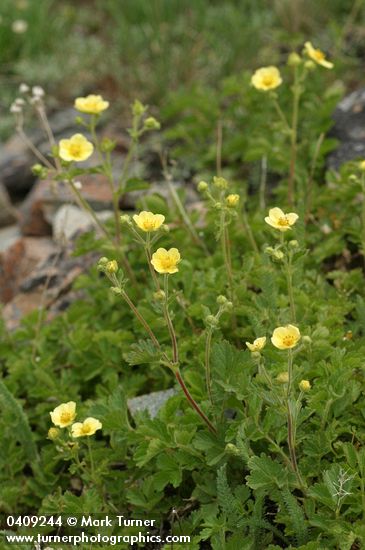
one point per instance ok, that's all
(86, 428)
(165, 261)
(317, 55)
(64, 414)
(257, 344)
(283, 377)
(279, 220)
(304, 385)
(148, 222)
(232, 200)
(285, 337)
(76, 148)
(362, 165)
(266, 78)
(91, 104)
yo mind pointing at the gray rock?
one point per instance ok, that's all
(8, 236)
(16, 159)
(69, 220)
(151, 402)
(8, 214)
(349, 129)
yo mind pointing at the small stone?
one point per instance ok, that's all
(151, 402)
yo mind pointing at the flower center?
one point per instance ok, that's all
(318, 55)
(167, 262)
(267, 80)
(75, 149)
(283, 221)
(288, 340)
(149, 224)
(65, 417)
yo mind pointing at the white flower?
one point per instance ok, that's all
(24, 88)
(37, 92)
(19, 26)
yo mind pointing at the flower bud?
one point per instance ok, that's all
(220, 183)
(228, 306)
(159, 296)
(211, 321)
(202, 186)
(221, 300)
(310, 65)
(283, 378)
(353, 178)
(294, 59)
(306, 339)
(304, 385)
(232, 449)
(126, 219)
(53, 433)
(138, 108)
(151, 123)
(232, 200)
(293, 243)
(24, 88)
(361, 165)
(39, 171)
(107, 145)
(218, 205)
(111, 267)
(116, 290)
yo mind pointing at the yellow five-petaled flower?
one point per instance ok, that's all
(64, 414)
(266, 78)
(285, 337)
(86, 428)
(257, 345)
(148, 222)
(76, 148)
(91, 104)
(317, 55)
(279, 220)
(165, 261)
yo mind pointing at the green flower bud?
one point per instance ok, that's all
(159, 296)
(211, 321)
(202, 186)
(138, 108)
(116, 290)
(220, 183)
(107, 145)
(283, 378)
(53, 433)
(126, 219)
(310, 65)
(232, 449)
(151, 123)
(39, 171)
(294, 59)
(221, 300)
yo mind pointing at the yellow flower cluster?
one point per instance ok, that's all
(65, 414)
(282, 338)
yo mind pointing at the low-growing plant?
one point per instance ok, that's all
(256, 313)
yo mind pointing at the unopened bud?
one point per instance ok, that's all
(232, 449)
(294, 59)
(310, 65)
(53, 433)
(211, 321)
(232, 200)
(304, 385)
(111, 267)
(221, 300)
(283, 378)
(151, 123)
(220, 183)
(159, 296)
(202, 186)
(138, 108)
(126, 219)
(116, 290)
(306, 339)
(294, 243)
